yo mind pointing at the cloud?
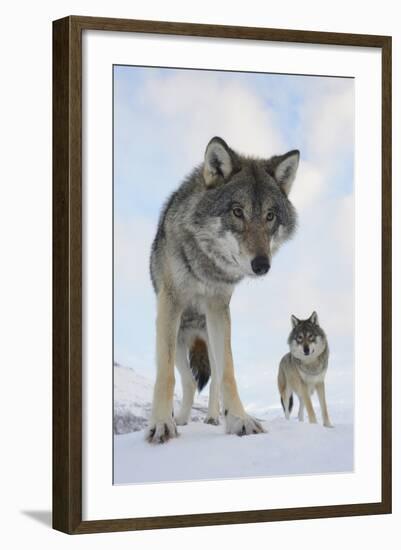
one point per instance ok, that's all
(343, 228)
(194, 106)
(308, 187)
(328, 121)
(132, 243)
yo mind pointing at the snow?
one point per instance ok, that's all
(205, 452)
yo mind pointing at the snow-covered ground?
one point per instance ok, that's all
(205, 452)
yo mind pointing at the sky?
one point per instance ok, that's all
(163, 120)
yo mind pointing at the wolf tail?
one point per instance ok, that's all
(199, 363)
(290, 404)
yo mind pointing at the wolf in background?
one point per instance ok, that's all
(304, 368)
(222, 224)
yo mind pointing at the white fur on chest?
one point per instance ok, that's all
(196, 292)
(309, 377)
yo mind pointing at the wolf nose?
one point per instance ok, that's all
(260, 265)
(306, 350)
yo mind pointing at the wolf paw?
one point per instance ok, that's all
(211, 420)
(328, 425)
(160, 432)
(243, 425)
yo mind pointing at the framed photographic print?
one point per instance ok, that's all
(221, 274)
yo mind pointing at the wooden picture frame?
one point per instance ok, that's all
(67, 273)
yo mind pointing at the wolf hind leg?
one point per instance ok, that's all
(213, 411)
(188, 385)
(203, 368)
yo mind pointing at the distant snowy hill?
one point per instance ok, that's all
(206, 452)
(133, 400)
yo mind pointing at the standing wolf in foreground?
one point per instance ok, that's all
(222, 224)
(304, 369)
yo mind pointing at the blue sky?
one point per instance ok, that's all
(163, 119)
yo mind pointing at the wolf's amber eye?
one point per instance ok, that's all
(238, 212)
(270, 216)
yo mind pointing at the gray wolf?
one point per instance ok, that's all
(304, 368)
(222, 224)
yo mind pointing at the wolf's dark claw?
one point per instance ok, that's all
(243, 426)
(212, 421)
(161, 432)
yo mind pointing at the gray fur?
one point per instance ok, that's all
(202, 249)
(308, 335)
(304, 368)
(188, 236)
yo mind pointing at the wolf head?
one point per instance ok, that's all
(307, 340)
(245, 209)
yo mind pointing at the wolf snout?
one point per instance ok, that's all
(260, 265)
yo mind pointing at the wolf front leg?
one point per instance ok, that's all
(305, 396)
(219, 336)
(162, 426)
(323, 405)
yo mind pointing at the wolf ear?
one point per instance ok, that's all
(285, 169)
(294, 321)
(220, 162)
(314, 319)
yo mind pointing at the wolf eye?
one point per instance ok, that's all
(238, 212)
(270, 216)
(311, 337)
(299, 338)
